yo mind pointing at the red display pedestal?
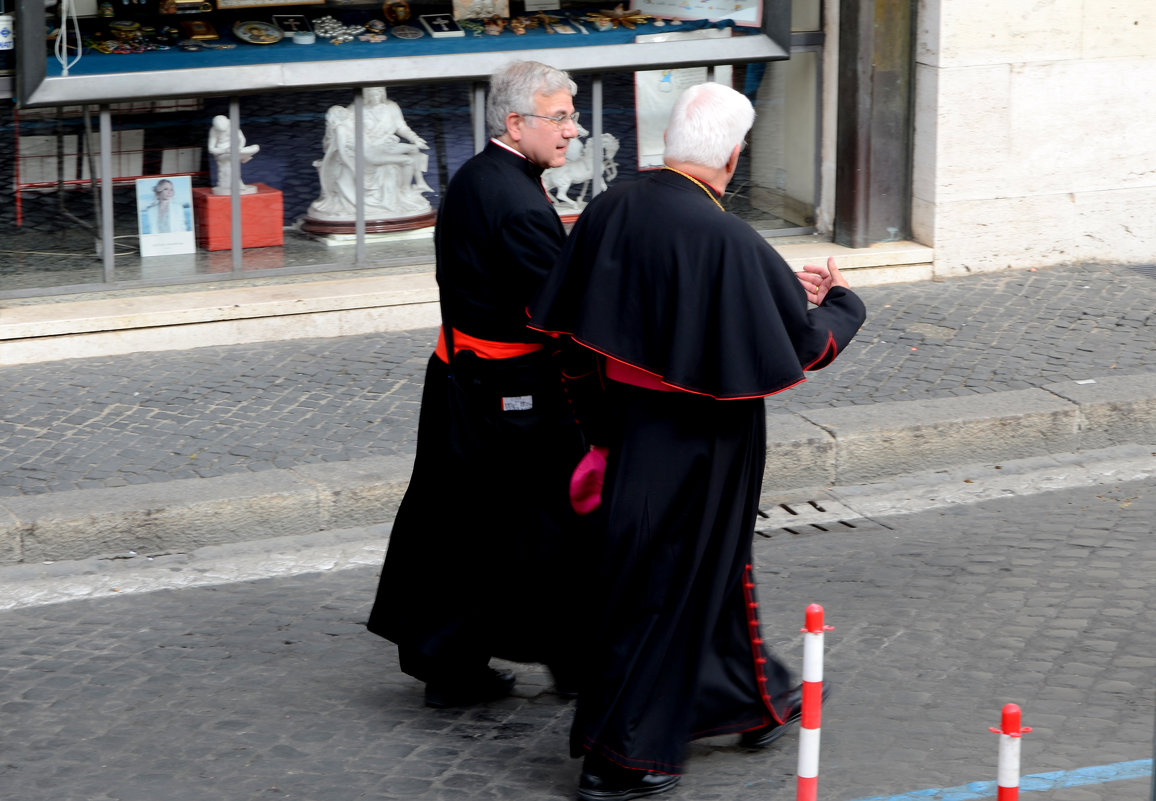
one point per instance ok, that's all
(262, 223)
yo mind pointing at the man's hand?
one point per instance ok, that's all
(817, 280)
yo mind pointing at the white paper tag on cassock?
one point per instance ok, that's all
(521, 403)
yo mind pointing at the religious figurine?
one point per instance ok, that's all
(545, 20)
(220, 148)
(393, 169)
(579, 170)
(396, 11)
(480, 9)
(627, 18)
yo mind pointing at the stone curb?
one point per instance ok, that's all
(816, 448)
(175, 516)
(861, 444)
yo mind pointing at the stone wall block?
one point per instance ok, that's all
(977, 32)
(1115, 29)
(986, 236)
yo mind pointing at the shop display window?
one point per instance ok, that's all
(76, 227)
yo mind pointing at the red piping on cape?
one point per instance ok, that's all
(832, 348)
(676, 386)
(756, 641)
(526, 311)
(619, 760)
(757, 660)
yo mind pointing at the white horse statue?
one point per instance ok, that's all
(579, 170)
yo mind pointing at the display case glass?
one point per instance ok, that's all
(90, 146)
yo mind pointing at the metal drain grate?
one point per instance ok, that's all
(1148, 270)
(810, 516)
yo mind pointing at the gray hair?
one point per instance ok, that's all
(513, 88)
(706, 123)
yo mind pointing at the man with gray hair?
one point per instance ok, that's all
(696, 319)
(478, 555)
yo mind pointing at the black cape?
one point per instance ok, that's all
(477, 560)
(655, 274)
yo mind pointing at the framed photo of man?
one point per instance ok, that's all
(165, 215)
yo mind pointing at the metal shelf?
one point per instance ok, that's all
(35, 87)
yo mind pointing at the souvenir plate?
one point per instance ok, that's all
(407, 32)
(257, 32)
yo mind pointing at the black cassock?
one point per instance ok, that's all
(478, 555)
(657, 276)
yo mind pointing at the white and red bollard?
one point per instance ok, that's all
(807, 785)
(1010, 735)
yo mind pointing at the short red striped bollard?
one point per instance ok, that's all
(807, 785)
(1010, 735)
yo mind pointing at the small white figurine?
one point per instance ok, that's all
(394, 164)
(579, 169)
(220, 147)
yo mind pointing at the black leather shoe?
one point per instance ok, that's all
(602, 781)
(790, 709)
(487, 686)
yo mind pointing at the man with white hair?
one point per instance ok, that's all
(696, 319)
(478, 558)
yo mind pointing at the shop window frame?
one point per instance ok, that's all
(772, 41)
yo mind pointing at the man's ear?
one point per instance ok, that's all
(514, 123)
(733, 161)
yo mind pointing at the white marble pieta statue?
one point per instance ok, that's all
(579, 171)
(220, 147)
(394, 164)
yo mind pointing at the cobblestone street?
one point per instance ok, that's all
(153, 417)
(273, 690)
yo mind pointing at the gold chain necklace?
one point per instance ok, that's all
(700, 185)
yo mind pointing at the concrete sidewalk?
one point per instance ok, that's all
(167, 452)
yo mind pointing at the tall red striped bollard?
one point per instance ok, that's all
(1010, 735)
(807, 784)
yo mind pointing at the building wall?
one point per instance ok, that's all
(1035, 133)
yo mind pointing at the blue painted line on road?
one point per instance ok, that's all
(1097, 774)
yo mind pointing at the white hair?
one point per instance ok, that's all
(706, 123)
(514, 87)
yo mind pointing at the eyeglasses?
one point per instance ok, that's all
(558, 121)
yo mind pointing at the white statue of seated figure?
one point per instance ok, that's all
(394, 164)
(220, 148)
